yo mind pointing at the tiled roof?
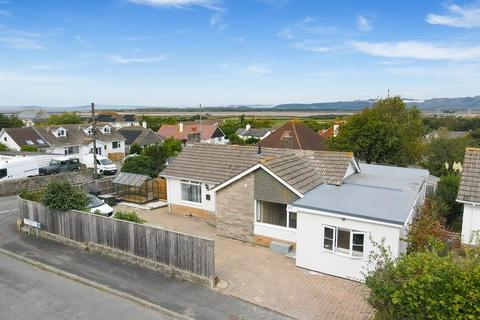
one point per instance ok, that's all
(294, 135)
(139, 135)
(22, 135)
(76, 136)
(303, 170)
(173, 130)
(469, 189)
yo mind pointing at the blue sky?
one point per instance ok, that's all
(222, 52)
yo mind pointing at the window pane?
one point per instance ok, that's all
(343, 241)
(292, 221)
(357, 251)
(328, 244)
(358, 238)
(273, 213)
(329, 233)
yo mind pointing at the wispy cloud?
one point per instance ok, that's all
(418, 50)
(363, 24)
(208, 4)
(467, 16)
(115, 58)
(307, 25)
(216, 21)
(45, 67)
(20, 43)
(82, 41)
(24, 40)
(310, 45)
(286, 33)
(260, 69)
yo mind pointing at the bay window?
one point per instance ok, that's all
(344, 241)
(191, 191)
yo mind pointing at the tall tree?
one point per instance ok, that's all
(388, 133)
(64, 118)
(9, 122)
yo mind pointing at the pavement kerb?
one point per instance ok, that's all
(95, 285)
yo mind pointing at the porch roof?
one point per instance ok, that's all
(379, 193)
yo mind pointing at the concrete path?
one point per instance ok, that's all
(27, 292)
(185, 298)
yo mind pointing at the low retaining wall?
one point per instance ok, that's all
(178, 255)
(14, 187)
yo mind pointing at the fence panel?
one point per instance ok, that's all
(182, 251)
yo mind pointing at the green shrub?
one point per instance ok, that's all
(447, 189)
(135, 149)
(36, 196)
(61, 195)
(28, 148)
(426, 285)
(3, 147)
(129, 216)
(141, 165)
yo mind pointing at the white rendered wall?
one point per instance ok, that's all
(311, 255)
(471, 222)
(175, 196)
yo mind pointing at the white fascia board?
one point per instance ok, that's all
(235, 178)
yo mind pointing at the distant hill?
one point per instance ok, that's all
(452, 104)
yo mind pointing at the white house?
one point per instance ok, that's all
(469, 196)
(116, 120)
(76, 141)
(324, 203)
(249, 132)
(16, 138)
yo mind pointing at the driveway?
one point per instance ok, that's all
(258, 275)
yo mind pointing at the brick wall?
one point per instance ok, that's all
(184, 210)
(235, 210)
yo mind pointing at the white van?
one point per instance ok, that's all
(17, 168)
(104, 165)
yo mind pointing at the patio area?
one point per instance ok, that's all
(258, 275)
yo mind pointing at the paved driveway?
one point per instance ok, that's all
(269, 279)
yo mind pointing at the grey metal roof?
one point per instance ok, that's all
(302, 169)
(379, 193)
(469, 189)
(131, 179)
(252, 132)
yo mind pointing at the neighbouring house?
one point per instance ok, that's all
(294, 135)
(77, 140)
(16, 138)
(332, 131)
(257, 133)
(194, 132)
(139, 135)
(324, 203)
(32, 117)
(448, 133)
(118, 121)
(469, 196)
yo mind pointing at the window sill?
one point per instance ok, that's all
(274, 226)
(191, 202)
(345, 255)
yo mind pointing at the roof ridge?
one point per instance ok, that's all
(296, 135)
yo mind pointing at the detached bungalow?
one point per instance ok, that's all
(323, 203)
(469, 195)
(193, 132)
(16, 138)
(293, 135)
(140, 136)
(249, 132)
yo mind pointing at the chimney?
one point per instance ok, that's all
(248, 126)
(180, 125)
(259, 149)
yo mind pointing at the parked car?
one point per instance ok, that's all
(60, 165)
(104, 165)
(17, 168)
(97, 206)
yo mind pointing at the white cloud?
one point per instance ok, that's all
(467, 16)
(307, 25)
(208, 4)
(418, 50)
(363, 24)
(82, 41)
(310, 45)
(115, 58)
(260, 69)
(20, 43)
(286, 33)
(216, 21)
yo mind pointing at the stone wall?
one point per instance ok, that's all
(235, 209)
(13, 187)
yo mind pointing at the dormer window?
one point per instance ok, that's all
(90, 130)
(61, 133)
(106, 129)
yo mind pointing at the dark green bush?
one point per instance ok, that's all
(61, 195)
(129, 216)
(36, 196)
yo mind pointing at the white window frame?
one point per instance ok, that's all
(335, 251)
(334, 240)
(119, 144)
(66, 150)
(195, 183)
(61, 133)
(258, 213)
(107, 129)
(29, 142)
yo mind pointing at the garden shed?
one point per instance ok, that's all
(136, 188)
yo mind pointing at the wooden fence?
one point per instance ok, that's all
(183, 252)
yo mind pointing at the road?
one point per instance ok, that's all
(185, 298)
(27, 292)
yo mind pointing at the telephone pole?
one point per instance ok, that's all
(94, 134)
(200, 122)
